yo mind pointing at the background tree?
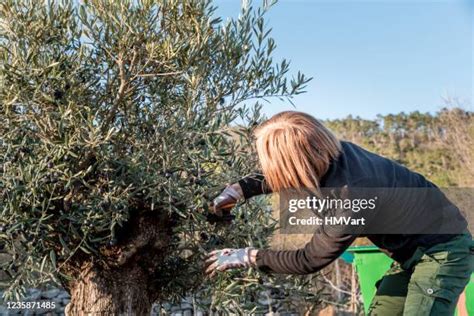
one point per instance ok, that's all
(119, 120)
(439, 146)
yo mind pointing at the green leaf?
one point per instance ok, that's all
(52, 257)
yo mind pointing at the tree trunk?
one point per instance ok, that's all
(120, 291)
(130, 275)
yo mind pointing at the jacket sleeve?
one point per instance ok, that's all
(253, 185)
(318, 253)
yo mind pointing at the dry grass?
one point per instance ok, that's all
(460, 139)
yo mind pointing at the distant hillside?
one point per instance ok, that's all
(440, 146)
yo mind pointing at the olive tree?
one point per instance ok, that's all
(119, 121)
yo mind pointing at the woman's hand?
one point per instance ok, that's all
(225, 259)
(227, 199)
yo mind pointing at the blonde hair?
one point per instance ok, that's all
(295, 151)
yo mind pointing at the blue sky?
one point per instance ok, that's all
(369, 57)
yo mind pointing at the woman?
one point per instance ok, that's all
(295, 152)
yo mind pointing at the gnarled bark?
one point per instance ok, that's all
(119, 291)
(130, 276)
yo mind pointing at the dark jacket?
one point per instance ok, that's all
(356, 167)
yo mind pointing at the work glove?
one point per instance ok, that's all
(225, 259)
(226, 200)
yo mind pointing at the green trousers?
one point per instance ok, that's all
(429, 283)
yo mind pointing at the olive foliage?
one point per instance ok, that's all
(112, 109)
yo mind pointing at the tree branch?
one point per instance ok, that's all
(120, 93)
